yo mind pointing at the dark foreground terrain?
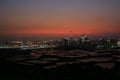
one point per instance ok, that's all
(59, 65)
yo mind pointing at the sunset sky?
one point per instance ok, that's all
(47, 19)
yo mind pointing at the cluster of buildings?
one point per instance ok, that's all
(26, 44)
(84, 42)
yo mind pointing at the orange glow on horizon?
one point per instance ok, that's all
(60, 32)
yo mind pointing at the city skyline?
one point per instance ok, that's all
(46, 19)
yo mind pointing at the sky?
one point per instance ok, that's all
(47, 19)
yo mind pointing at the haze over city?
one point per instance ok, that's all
(53, 19)
(59, 39)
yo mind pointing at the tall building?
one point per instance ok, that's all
(84, 38)
(118, 43)
(65, 41)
